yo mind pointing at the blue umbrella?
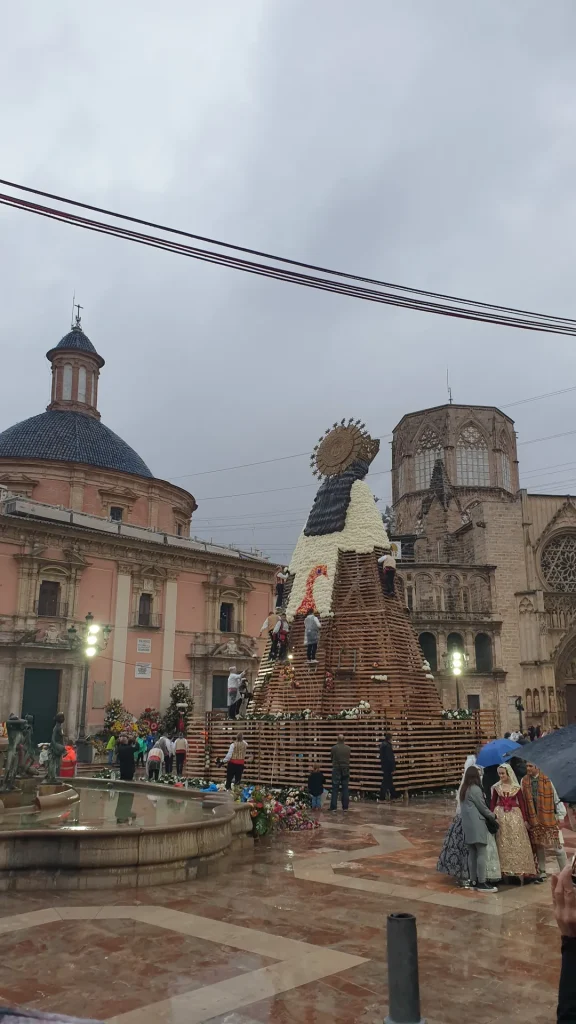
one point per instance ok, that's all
(496, 752)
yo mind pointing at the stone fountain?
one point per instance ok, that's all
(102, 833)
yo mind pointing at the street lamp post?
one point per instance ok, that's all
(455, 662)
(91, 644)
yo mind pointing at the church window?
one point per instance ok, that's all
(451, 594)
(116, 513)
(454, 642)
(89, 389)
(67, 382)
(226, 617)
(483, 652)
(48, 598)
(529, 704)
(558, 563)
(472, 469)
(428, 451)
(81, 384)
(145, 610)
(479, 594)
(401, 478)
(428, 645)
(425, 594)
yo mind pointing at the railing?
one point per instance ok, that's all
(147, 620)
(425, 615)
(52, 609)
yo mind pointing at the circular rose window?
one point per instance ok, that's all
(558, 563)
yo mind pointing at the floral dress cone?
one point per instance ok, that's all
(513, 841)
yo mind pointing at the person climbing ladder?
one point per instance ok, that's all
(387, 565)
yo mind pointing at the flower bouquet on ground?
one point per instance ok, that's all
(282, 810)
(457, 714)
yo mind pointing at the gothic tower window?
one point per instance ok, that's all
(472, 468)
(428, 451)
(528, 703)
(504, 460)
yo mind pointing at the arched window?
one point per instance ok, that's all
(89, 389)
(428, 451)
(536, 696)
(429, 649)
(529, 704)
(472, 469)
(81, 384)
(451, 587)
(401, 478)
(67, 382)
(145, 610)
(504, 460)
(454, 642)
(226, 617)
(479, 594)
(425, 594)
(483, 652)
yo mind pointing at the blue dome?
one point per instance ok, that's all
(70, 437)
(75, 341)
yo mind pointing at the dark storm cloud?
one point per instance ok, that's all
(431, 144)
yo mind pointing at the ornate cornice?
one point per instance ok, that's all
(129, 551)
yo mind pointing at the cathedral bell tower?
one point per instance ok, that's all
(76, 367)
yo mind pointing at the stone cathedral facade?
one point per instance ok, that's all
(486, 567)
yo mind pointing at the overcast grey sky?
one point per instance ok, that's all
(425, 143)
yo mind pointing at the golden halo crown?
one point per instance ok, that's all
(341, 445)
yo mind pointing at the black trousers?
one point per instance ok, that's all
(311, 651)
(140, 758)
(279, 594)
(233, 774)
(168, 763)
(388, 785)
(180, 759)
(389, 575)
(274, 646)
(154, 771)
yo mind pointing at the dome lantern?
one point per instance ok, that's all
(75, 370)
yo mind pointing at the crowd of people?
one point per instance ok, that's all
(503, 835)
(157, 753)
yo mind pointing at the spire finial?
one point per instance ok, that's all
(78, 319)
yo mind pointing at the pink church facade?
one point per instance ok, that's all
(86, 528)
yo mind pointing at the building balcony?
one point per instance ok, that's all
(146, 620)
(423, 615)
(52, 609)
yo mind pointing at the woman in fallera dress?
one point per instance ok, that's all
(453, 859)
(513, 842)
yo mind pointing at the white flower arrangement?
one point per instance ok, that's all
(429, 676)
(363, 531)
(379, 678)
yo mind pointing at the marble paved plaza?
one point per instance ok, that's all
(293, 933)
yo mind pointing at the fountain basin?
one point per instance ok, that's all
(120, 835)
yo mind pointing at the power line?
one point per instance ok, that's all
(550, 437)
(271, 256)
(465, 309)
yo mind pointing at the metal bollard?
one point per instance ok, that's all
(403, 985)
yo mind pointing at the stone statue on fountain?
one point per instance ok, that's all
(20, 754)
(57, 750)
